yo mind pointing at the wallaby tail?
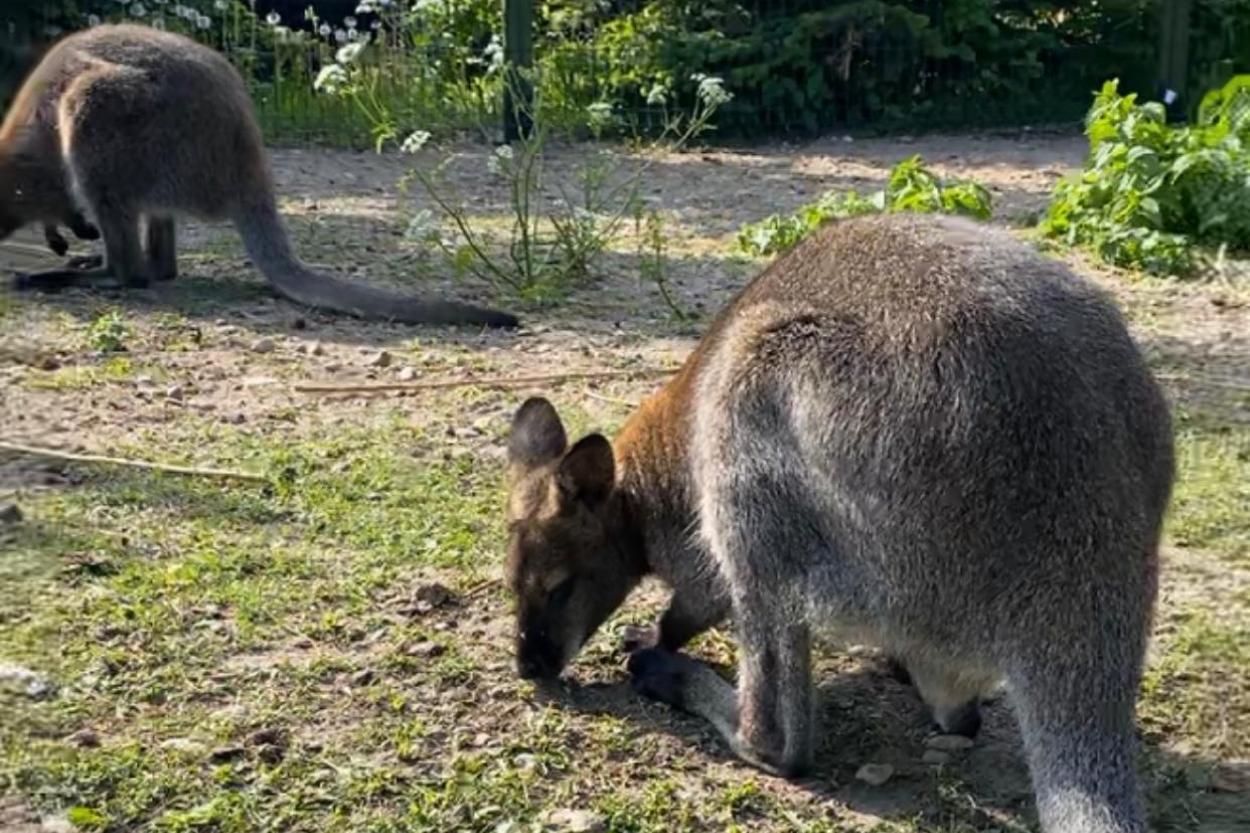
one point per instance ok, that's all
(1079, 739)
(267, 244)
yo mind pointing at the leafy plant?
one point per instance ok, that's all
(108, 333)
(1151, 194)
(910, 187)
(653, 257)
(557, 229)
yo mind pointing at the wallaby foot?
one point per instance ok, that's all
(692, 687)
(54, 280)
(660, 675)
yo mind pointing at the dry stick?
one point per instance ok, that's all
(487, 382)
(54, 454)
(1204, 379)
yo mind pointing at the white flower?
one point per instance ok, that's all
(204, 22)
(375, 25)
(137, 10)
(340, 35)
(221, 5)
(657, 95)
(499, 160)
(331, 79)
(364, 8)
(348, 54)
(415, 141)
(494, 50)
(273, 18)
(420, 226)
(281, 33)
(324, 30)
(711, 90)
(349, 22)
(353, 35)
(93, 20)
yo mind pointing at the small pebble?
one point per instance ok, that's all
(379, 359)
(362, 677)
(874, 774)
(936, 757)
(10, 513)
(175, 392)
(263, 345)
(567, 820)
(84, 739)
(406, 374)
(227, 753)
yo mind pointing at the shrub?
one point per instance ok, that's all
(1152, 194)
(911, 187)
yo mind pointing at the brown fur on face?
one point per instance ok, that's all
(570, 560)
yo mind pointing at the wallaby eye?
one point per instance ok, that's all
(561, 593)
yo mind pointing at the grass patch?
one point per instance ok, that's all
(1212, 493)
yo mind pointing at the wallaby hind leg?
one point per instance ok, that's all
(952, 694)
(162, 249)
(1076, 718)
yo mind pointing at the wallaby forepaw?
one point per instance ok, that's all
(659, 675)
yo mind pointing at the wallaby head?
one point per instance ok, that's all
(571, 562)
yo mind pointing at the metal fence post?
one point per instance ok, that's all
(518, 54)
(1174, 56)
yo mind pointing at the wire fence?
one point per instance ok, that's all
(794, 66)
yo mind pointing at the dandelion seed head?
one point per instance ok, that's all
(415, 141)
(340, 35)
(324, 30)
(137, 10)
(273, 18)
(204, 22)
(348, 54)
(349, 22)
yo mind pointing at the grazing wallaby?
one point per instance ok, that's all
(141, 125)
(910, 430)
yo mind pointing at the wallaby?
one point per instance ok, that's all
(137, 125)
(910, 430)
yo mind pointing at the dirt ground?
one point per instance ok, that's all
(206, 378)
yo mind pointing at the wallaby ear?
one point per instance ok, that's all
(588, 472)
(537, 434)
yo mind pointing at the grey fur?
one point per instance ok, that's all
(919, 432)
(141, 126)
